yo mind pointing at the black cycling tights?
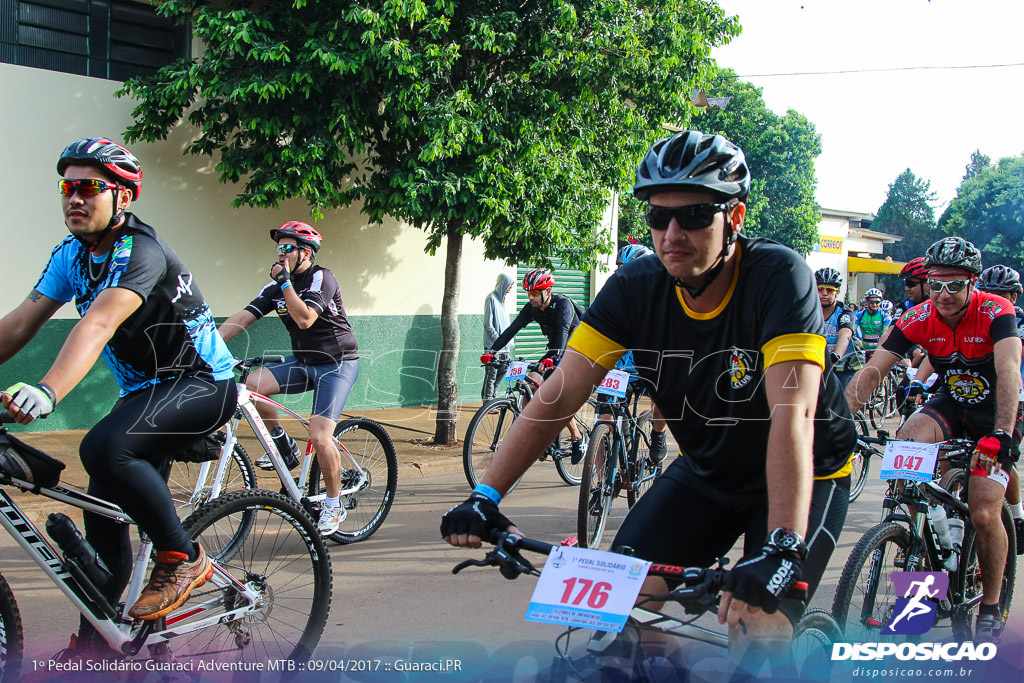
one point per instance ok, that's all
(124, 454)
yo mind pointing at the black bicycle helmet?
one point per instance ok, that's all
(106, 154)
(1000, 279)
(954, 252)
(829, 276)
(693, 162)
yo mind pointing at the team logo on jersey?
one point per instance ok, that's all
(916, 313)
(991, 309)
(967, 386)
(741, 368)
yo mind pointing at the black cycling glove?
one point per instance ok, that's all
(477, 516)
(283, 275)
(762, 580)
(1009, 449)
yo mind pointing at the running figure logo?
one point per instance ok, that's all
(914, 613)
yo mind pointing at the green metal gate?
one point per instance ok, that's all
(530, 342)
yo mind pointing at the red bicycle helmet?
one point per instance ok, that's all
(302, 233)
(113, 158)
(915, 269)
(538, 278)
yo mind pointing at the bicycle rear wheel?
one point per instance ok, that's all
(812, 644)
(12, 637)
(487, 430)
(189, 495)
(597, 488)
(860, 462)
(644, 471)
(865, 597)
(282, 558)
(366, 509)
(571, 474)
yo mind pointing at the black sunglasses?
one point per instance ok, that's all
(910, 282)
(287, 248)
(691, 217)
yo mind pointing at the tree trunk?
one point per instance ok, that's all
(447, 386)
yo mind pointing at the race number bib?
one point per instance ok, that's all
(614, 383)
(588, 588)
(516, 371)
(909, 460)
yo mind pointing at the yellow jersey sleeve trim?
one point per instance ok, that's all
(841, 472)
(798, 346)
(595, 346)
(725, 300)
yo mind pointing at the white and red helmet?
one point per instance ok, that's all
(106, 154)
(301, 232)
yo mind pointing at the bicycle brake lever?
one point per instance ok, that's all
(470, 563)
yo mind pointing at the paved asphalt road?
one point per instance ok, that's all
(394, 595)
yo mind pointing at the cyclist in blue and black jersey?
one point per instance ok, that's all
(557, 317)
(324, 360)
(142, 310)
(842, 337)
(728, 333)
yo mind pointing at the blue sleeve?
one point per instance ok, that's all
(887, 320)
(55, 281)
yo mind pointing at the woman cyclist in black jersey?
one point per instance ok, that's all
(140, 307)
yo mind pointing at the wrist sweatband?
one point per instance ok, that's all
(50, 393)
(485, 490)
(287, 283)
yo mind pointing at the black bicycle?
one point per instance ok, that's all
(622, 656)
(907, 540)
(491, 423)
(617, 461)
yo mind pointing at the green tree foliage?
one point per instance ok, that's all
(504, 120)
(908, 213)
(978, 163)
(780, 150)
(989, 211)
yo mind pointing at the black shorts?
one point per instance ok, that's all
(684, 521)
(957, 420)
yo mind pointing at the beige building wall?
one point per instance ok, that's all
(382, 270)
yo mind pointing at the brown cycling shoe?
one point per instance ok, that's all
(172, 580)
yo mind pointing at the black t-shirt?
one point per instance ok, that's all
(330, 338)
(557, 322)
(706, 371)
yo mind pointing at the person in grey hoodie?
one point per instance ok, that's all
(495, 321)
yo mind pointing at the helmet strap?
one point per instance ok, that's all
(709, 275)
(115, 218)
(970, 290)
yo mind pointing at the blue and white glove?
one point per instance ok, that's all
(31, 401)
(763, 579)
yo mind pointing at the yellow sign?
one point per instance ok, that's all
(830, 245)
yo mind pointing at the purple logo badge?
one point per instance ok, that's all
(914, 612)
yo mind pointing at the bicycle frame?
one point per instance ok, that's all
(78, 589)
(247, 401)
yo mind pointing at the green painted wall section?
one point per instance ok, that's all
(397, 366)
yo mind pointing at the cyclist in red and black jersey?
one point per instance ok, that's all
(972, 343)
(325, 356)
(557, 317)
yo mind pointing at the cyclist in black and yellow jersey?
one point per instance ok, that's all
(729, 333)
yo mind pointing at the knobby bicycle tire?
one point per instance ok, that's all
(865, 597)
(812, 644)
(572, 474)
(282, 557)
(597, 486)
(487, 429)
(860, 463)
(643, 471)
(240, 475)
(12, 636)
(366, 509)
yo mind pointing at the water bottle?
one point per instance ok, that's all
(62, 530)
(956, 534)
(940, 525)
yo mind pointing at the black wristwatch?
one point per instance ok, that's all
(787, 539)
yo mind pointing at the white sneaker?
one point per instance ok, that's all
(330, 519)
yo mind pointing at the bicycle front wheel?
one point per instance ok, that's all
(644, 471)
(487, 430)
(812, 644)
(597, 488)
(188, 493)
(367, 508)
(282, 558)
(860, 462)
(584, 418)
(865, 597)
(12, 637)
